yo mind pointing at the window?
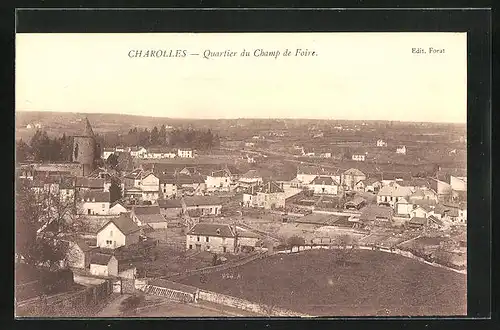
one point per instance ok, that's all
(198, 238)
(109, 242)
(111, 233)
(224, 249)
(103, 206)
(206, 239)
(190, 246)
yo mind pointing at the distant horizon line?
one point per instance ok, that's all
(239, 118)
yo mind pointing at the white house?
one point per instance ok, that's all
(118, 232)
(358, 158)
(219, 238)
(219, 181)
(185, 153)
(421, 211)
(118, 207)
(324, 185)
(368, 185)
(138, 152)
(103, 265)
(403, 207)
(326, 155)
(150, 186)
(381, 143)
(168, 186)
(351, 177)
(401, 150)
(391, 194)
(271, 195)
(95, 203)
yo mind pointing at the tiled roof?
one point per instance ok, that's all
(96, 196)
(418, 221)
(324, 180)
(370, 181)
(189, 179)
(270, 187)
(251, 174)
(356, 201)
(353, 171)
(435, 220)
(100, 259)
(169, 203)
(371, 213)
(150, 218)
(146, 210)
(124, 224)
(316, 170)
(84, 182)
(202, 200)
(212, 229)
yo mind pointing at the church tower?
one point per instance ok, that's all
(84, 148)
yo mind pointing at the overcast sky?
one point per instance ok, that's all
(359, 76)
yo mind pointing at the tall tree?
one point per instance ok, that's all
(115, 191)
(162, 134)
(154, 137)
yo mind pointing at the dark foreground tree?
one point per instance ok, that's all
(115, 192)
(295, 241)
(42, 220)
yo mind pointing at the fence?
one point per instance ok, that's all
(66, 304)
(403, 253)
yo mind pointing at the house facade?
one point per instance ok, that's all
(219, 181)
(150, 186)
(324, 185)
(358, 157)
(218, 238)
(118, 232)
(94, 203)
(185, 153)
(78, 254)
(381, 143)
(391, 194)
(401, 150)
(117, 208)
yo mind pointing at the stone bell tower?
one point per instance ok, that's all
(84, 148)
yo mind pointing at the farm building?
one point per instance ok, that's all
(356, 203)
(376, 214)
(148, 215)
(219, 238)
(103, 265)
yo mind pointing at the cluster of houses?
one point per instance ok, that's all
(299, 151)
(150, 153)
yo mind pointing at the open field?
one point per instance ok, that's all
(370, 283)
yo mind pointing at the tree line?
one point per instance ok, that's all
(185, 138)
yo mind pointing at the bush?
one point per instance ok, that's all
(130, 304)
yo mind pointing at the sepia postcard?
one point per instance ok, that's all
(241, 174)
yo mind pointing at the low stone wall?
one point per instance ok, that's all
(66, 304)
(243, 304)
